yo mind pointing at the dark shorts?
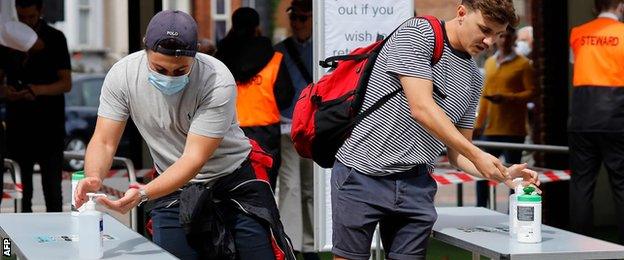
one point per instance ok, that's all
(401, 203)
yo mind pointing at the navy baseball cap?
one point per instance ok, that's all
(172, 28)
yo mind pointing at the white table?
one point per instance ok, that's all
(484, 232)
(24, 229)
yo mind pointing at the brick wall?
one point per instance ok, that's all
(201, 13)
(443, 9)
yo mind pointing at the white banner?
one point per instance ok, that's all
(350, 24)
(341, 26)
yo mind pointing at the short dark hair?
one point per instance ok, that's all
(603, 5)
(29, 3)
(500, 11)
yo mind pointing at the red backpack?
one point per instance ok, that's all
(327, 111)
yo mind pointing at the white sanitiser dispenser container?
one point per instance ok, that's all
(90, 230)
(529, 210)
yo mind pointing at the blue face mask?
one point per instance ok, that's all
(166, 84)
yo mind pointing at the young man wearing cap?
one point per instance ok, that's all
(296, 185)
(183, 104)
(382, 170)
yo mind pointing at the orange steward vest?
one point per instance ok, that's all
(255, 102)
(598, 48)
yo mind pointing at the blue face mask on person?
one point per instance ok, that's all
(168, 85)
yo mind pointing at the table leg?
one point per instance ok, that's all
(493, 197)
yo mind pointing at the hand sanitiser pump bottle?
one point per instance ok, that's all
(529, 216)
(513, 201)
(90, 228)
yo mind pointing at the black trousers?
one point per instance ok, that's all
(26, 147)
(588, 151)
(51, 177)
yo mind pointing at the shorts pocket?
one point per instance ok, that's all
(341, 175)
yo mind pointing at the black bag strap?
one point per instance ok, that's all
(438, 50)
(289, 43)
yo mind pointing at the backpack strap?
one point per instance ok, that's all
(438, 50)
(438, 34)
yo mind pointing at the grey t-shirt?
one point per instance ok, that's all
(206, 107)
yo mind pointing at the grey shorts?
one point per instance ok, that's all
(401, 203)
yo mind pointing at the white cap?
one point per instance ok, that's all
(517, 183)
(16, 35)
(90, 204)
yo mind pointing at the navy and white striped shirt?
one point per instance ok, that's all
(389, 140)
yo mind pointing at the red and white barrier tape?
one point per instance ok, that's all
(445, 174)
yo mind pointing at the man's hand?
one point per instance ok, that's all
(13, 95)
(86, 185)
(497, 98)
(130, 200)
(490, 167)
(520, 171)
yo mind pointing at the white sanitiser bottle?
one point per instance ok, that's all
(529, 216)
(513, 201)
(90, 228)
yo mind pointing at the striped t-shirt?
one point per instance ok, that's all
(389, 140)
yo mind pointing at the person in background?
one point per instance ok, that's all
(296, 182)
(263, 84)
(509, 85)
(35, 117)
(524, 41)
(207, 47)
(596, 122)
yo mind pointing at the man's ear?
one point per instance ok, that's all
(620, 8)
(461, 11)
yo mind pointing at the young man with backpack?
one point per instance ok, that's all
(428, 102)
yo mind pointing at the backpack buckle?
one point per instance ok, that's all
(328, 64)
(316, 99)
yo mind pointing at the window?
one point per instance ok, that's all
(84, 11)
(249, 3)
(220, 7)
(91, 90)
(73, 98)
(220, 13)
(220, 29)
(85, 92)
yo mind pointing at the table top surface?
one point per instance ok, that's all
(486, 232)
(38, 236)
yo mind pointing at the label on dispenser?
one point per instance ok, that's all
(526, 213)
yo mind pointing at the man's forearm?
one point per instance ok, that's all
(176, 176)
(432, 118)
(466, 166)
(56, 88)
(98, 159)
